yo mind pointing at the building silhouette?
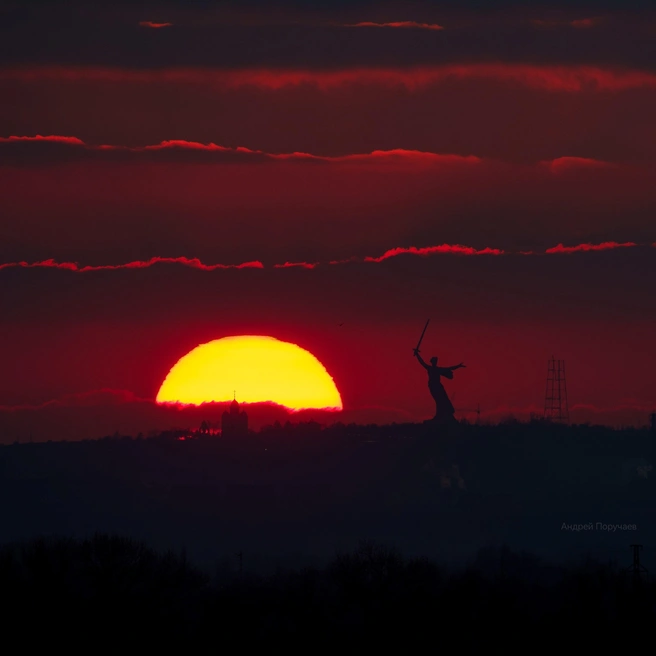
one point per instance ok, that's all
(233, 422)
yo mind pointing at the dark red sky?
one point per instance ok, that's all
(290, 135)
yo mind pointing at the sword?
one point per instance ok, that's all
(422, 335)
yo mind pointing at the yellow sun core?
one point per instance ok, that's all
(258, 369)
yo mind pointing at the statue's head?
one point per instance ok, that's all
(434, 361)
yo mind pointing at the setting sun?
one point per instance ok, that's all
(257, 368)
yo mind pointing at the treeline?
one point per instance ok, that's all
(108, 592)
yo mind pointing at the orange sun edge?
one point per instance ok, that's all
(180, 405)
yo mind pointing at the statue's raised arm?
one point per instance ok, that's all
(421, 361)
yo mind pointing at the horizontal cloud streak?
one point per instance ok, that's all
(52, 138)
(607, 245)
(154, 25)
(195, 263)
(351, 260)
(545, 78)
(302, 265)
(561, 164)
(20, 149)
(399, 24)
(585, 22)
(432, 250)
(579, 23)
(113, 398)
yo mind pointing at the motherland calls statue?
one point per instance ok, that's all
(444, 410)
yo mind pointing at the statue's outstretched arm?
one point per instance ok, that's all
(456, 366)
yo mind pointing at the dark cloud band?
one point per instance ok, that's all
(195, 263)
(552, 78)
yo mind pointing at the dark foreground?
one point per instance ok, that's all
(106, 593)
(295, 495)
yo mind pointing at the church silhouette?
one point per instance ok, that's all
(234, 423)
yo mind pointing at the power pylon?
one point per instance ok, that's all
(555, 399)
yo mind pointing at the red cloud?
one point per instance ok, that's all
(548, 78)
(561, 164)
(181, 143)
(402, 24)
(173, 145)
(52, 138)
(154, 25)
(353, 259)
(580, 23)
(395, 154)
(194, 263)
(431, 250)
(70, 266)
(302, 265)
(415, 155)
(584, 22)
(607, 245)
(398, 155)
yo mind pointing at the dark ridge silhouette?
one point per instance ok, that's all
(292, 493)
(108, 591)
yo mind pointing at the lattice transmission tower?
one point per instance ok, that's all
(555, 399)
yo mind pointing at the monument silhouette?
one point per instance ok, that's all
(444, 410)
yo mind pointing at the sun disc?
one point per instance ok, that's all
(257, 368)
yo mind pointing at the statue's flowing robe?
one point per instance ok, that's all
(443, 406)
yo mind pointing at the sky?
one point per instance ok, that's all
(173, 173)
